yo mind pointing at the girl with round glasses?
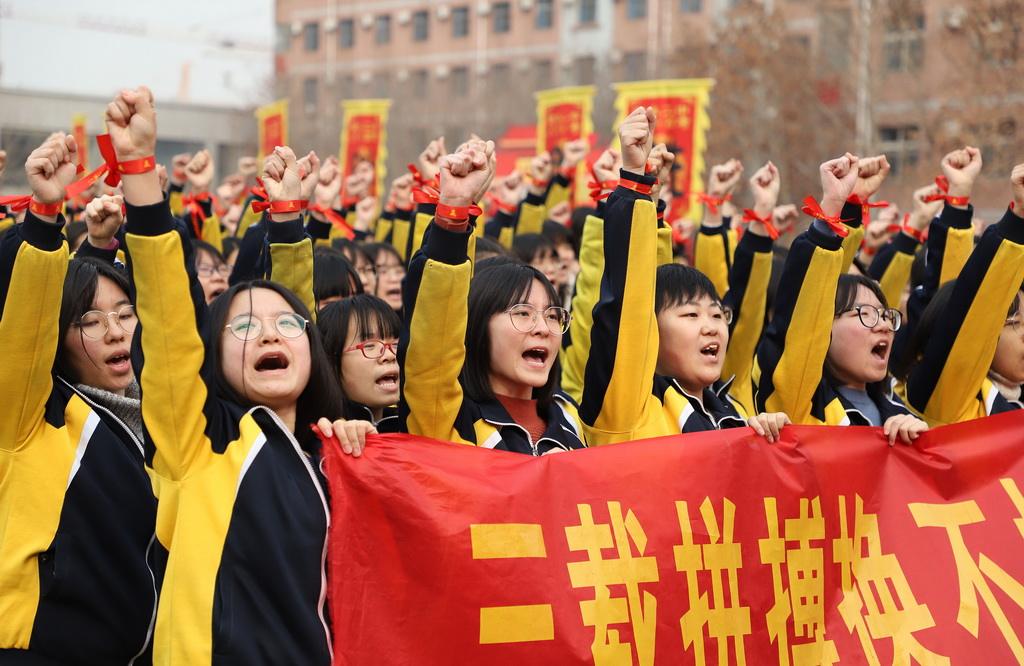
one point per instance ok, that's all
(361, 340)
(824, 358)
(78, 505)
(230, 396)
(479, 357)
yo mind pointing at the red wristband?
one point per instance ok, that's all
(919, 236)
(135, 167)
(456, 213)
(541, 183)
(635, 186)
(957, 201)
(293, 206)
(47, 210)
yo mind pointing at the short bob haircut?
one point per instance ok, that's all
(334, 276)
(678, 285)
(372, 317)
(80, 285)
(205, 250)
(530, 247)
(846, 292)
(494, 289)
(322, 395)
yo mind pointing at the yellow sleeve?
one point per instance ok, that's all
(212, 233)
(35, 273)
(291, 260)
(175, 198)
(665, 246)
(711, 256)
(531, 217)
(588, 289)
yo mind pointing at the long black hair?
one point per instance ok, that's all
(372, 317)
(80, 285)
(322, 395)
(334, 276)
(495, 288)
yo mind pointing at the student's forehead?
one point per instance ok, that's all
(258, 301)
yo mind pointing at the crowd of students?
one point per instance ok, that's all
(176, 359)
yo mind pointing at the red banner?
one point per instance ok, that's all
(363, 134)
(717, 548)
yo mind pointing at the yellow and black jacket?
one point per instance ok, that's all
(77, 510)
(949, 383)
(242, 511)
(891, 266)
(789, 373)
(432, 350)
(621, 396)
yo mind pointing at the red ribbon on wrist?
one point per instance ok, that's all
(111, 169)
(196, 213)
(45, 209)
(599, 190)
(919, 236)
(943, 184)
(16, 202)
(813, 208)
(335, 218)
(752, 216)
(280, 207)
(456, 213)
(635, 186)
(507, 208)
(713, 202)
(866, 206)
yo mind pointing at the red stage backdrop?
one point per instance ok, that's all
(829, 547)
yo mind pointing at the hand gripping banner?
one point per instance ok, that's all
(717, 548)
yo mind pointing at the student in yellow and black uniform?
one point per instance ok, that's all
(824, 356)
(76, 571)
(969, 339)
(479, 360)
(229, 395)
(659, 335)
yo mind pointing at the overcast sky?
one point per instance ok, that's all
(95, 48)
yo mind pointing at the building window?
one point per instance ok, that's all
(460, 81)
(585, 70)
(588, 11)
(421, 25)
(383, 32)
(381, 84)
(635, 64)
(834, 31)
(311, 37)
(691, 6)
(900, 144)
(636, 9)
(346, 33)
(903, 44)
(545, 16)
(542, 74)
(460, 21)
(500, 77)
(502, 17)
(282, 38)
(420, 79)
(309, 94)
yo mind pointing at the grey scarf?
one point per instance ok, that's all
(126, 407)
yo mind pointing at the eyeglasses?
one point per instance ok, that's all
(389, 271)
(366, 271)
(207, 270)
(374, 349)
(95, 324)
(869, 316)
(246, 327)
(524, 318)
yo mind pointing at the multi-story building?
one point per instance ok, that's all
(911, 78)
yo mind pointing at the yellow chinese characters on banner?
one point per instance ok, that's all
(683, 123)
(364, 137)
(563, 115)
(272, 127)
(81, 135)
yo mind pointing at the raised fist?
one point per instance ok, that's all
(764, 185)
(309, 174)
(1017, 181)
(871, 172)
(103, 217)
(724, 178)
(366, 213)
(573, 152)
(961, 169)
(838, 177)
(178, 164)
(328, 184)
(358, 183)
(540, 172)
(51, 168)
(636, 136)
(248, 167)
(785, 216)
(401, 191)
(465, 174)
(429, 158)
(283, 175)
(131, 123)
(607, 165)
(161, 173)
(510, 189)
(231, 189)
(200, 171)
(660, 162)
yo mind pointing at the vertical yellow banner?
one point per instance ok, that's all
(272, 126)
(683, 123)
(563, 115)
(364, 137)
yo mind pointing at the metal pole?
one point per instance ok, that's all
(863, 119)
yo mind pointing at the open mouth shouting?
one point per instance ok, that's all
(536, 357)
(711, 351)
(388, 382)
(119, 362)
(881, 350)
(271, 362)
